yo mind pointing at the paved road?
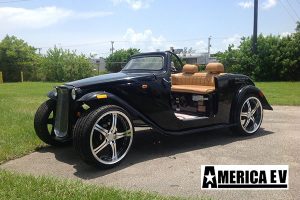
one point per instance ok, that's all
(171, 165)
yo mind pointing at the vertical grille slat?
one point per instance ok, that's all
(62, 112)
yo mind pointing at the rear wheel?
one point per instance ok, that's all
(104, 136)
(249, 116)
(44, 120)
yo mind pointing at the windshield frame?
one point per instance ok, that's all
(146, 70)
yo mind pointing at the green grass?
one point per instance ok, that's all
(18, 103)
(281, 93)
(16, 186)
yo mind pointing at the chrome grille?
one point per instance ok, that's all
(62, 112)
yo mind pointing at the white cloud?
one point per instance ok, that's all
(269, 4)
(235, 40)
(201, 46)
(284, 34)
(200, 43)
(134, 4)
(145, 40)
(20, 18)
(246, 4)
(91, 14)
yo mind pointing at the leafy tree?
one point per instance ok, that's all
(65, 65)
(277, 58)
(118, 59)
(16, 56)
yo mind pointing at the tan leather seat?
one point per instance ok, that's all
(195, 89)
(191, 81)
(214, 68)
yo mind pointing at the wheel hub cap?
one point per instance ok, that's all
(109, 145)
(111, 137)
(251, 115)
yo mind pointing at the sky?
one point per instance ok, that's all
(89, 26)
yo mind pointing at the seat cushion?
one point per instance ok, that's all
(196, 89)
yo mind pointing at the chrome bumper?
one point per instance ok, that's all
(62, 112)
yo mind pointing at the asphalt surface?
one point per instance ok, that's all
(171, 165)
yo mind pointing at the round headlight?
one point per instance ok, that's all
(73, 93)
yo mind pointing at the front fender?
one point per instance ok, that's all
(92, 96)
(52, 95)
(103, 97)
(111, 98)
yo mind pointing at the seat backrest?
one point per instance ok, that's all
(191, 76)
(190, 69)
(214, 68)
(205, 79)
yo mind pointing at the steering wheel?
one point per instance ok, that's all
(173, 69)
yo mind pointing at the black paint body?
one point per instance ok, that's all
(153, 104)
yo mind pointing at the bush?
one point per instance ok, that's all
(65, 65)
(16, 56)
(116, 61)
(277, 58)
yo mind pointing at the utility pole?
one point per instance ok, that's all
(112, 47)
(254, 37)
(39, 49)
(209, 45)
(208, 48)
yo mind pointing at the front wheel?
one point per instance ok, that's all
(103, 136)
(249, 116)
(44, 120)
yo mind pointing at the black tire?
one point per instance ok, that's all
(86, 135)
(247, 123)
(42, 119)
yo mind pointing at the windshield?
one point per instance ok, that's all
(145, 63)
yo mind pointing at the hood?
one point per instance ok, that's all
(106, 78)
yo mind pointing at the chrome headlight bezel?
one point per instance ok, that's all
(54, 91)
(73, 93)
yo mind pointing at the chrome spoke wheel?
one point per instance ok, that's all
(111, 137)
(251, 115)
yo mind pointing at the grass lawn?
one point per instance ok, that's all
(16, 186)
(281, 93)
(18, 103)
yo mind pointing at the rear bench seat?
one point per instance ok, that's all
(192, 81)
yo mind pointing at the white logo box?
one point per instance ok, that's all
(263, 171)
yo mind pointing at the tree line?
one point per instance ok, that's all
(56, 65)
(277, 57)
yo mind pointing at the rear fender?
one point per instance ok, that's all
(249, 89)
